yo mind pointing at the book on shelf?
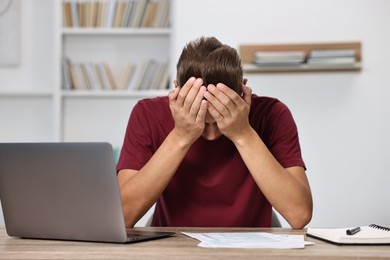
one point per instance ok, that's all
(109, 14)
(85, 77)
(119, 12)
(141, 74)
(332, 53)
(74, 13)
(78, 81)
(371, 234)
(127, 76)
(152, 75)
(278, 58)
(66, 74)
(150, 14)
(99, 13)
(92, 76)
(115, 13)
(147, 75)
(108, 73)
(332, 57)
(99, 78)
(105, 82)
(80, 14)
(161, 79)
(91, 15)
(332, 61)
(127, 13)
(139, 11)
(162, 14)
(67, 14)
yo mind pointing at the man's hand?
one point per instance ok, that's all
(229, 110)
(189, 109)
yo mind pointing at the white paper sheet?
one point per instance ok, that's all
(248, 240)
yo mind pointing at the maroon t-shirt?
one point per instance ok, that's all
(212, 186)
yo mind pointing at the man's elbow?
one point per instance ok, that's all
(301, 218)
(129, 216)
(130, 222)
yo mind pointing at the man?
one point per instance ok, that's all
(211, 153)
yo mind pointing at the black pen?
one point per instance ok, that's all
(353, 231)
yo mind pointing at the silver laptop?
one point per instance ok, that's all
(66, 191)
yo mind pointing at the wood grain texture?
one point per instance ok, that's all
(179, 247)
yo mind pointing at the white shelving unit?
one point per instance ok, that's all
(37, 109)
(102, 115)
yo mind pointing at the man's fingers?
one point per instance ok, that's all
(214, 113)
(247, 94)
(231, 96)
(202, 111)
(220, 101)
(184, 91)
(192, 94)
(173, 96)
(197, 102)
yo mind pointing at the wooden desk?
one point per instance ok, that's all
(178, 247)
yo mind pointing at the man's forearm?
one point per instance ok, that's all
(286, 189)
(140, 190)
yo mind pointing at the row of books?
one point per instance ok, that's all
(116, 13)
(151, 75)
(334, 57)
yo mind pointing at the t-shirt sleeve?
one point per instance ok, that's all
(284, 139)
(137, 145)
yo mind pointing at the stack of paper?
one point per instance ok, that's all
(248, 240)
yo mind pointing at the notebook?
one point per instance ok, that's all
(66, 191)
(371, 234)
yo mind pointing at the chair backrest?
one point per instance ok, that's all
(275, 220)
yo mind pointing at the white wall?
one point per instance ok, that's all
(343, 118)
(37, 36)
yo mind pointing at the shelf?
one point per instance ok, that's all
(247, 54)
(24, 93)
(251, 68)
(116, 31)
(113, 93)
(104, 57)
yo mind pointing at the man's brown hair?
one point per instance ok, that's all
(214, 62)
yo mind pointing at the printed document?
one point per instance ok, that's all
(248, 240)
